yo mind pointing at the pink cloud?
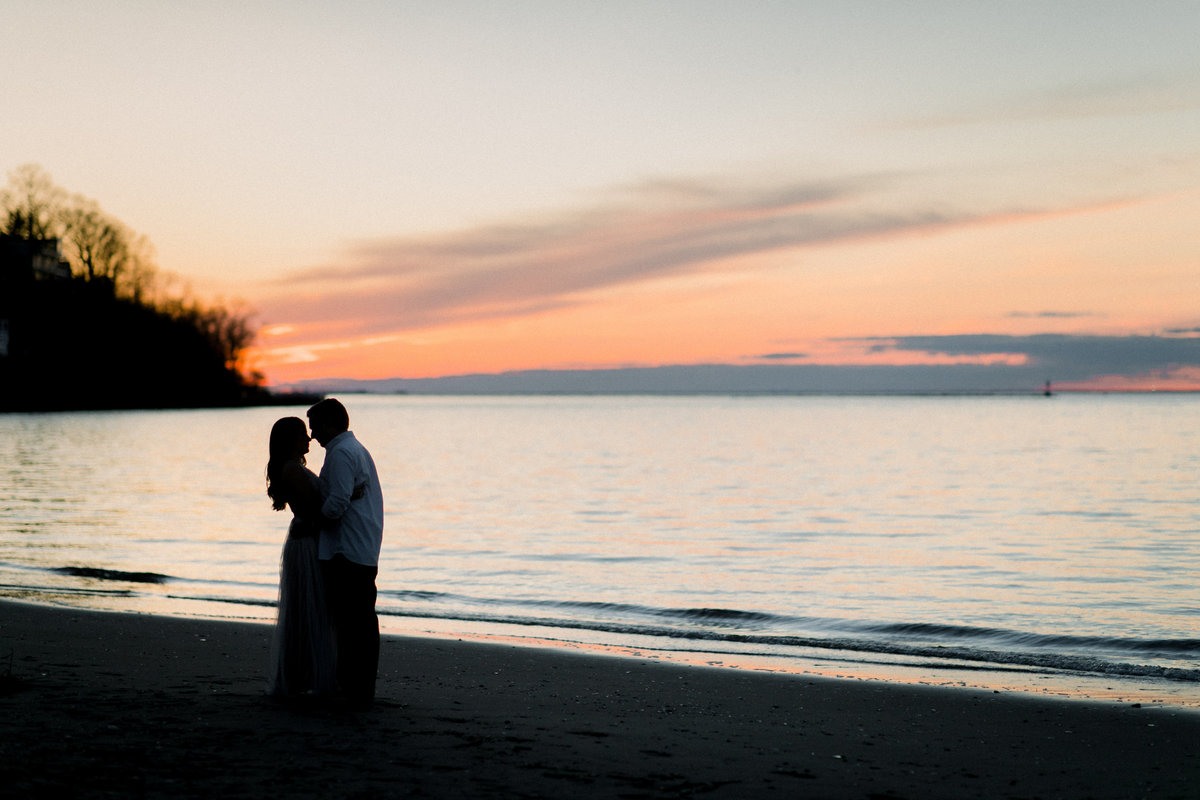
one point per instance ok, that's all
(664, 230)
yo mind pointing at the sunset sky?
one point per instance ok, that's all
(417, 189)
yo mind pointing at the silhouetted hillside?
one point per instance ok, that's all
(88, 322)
(72, 343)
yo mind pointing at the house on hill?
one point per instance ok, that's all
(23, 261)
(31, 259)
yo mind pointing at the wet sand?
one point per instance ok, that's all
(95, 704)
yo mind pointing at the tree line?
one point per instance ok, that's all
(107, 328)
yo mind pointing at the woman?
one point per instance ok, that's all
(302, 651)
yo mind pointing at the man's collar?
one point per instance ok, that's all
(338, 438)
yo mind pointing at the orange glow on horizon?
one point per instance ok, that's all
(831, 303)
(1185, 379)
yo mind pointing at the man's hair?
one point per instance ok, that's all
(330, 412)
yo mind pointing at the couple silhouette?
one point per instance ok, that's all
(326, 638)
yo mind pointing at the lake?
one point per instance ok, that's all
(1044, 544)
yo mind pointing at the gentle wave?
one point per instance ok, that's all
(1052, 662)
(1181, 648)
(756, 625)
(988, 648)
(113, 574)
(24, 591)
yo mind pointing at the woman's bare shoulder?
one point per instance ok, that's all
(297, 475)
(291, 468)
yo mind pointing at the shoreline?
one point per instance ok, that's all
(96, 703)
(828, 663)
(1148, 690)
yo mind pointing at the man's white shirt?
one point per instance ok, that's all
(354, 498)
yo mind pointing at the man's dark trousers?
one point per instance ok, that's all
(350, 595)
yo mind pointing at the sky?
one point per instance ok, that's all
(423, 189)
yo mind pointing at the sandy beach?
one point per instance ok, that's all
(97, 704)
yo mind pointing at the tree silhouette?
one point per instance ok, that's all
(110, 336)
(98, 245)
(31, 203)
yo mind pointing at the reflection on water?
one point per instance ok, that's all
(900, 522)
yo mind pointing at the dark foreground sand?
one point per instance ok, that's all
(123, 705)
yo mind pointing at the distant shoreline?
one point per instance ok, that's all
(265, 399)
(751, 393)
(732, 379)
(308, 398)
(283, 397)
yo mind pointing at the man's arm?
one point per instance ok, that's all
(339, 480)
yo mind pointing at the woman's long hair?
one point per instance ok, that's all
(283, 448)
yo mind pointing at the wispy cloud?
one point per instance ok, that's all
(1052, 314)
(657, 230)
(1117, 96)
(1059, 356)
(777, 357)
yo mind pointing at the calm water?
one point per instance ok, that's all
(1042, 544)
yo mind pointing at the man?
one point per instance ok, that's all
(349, 548)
